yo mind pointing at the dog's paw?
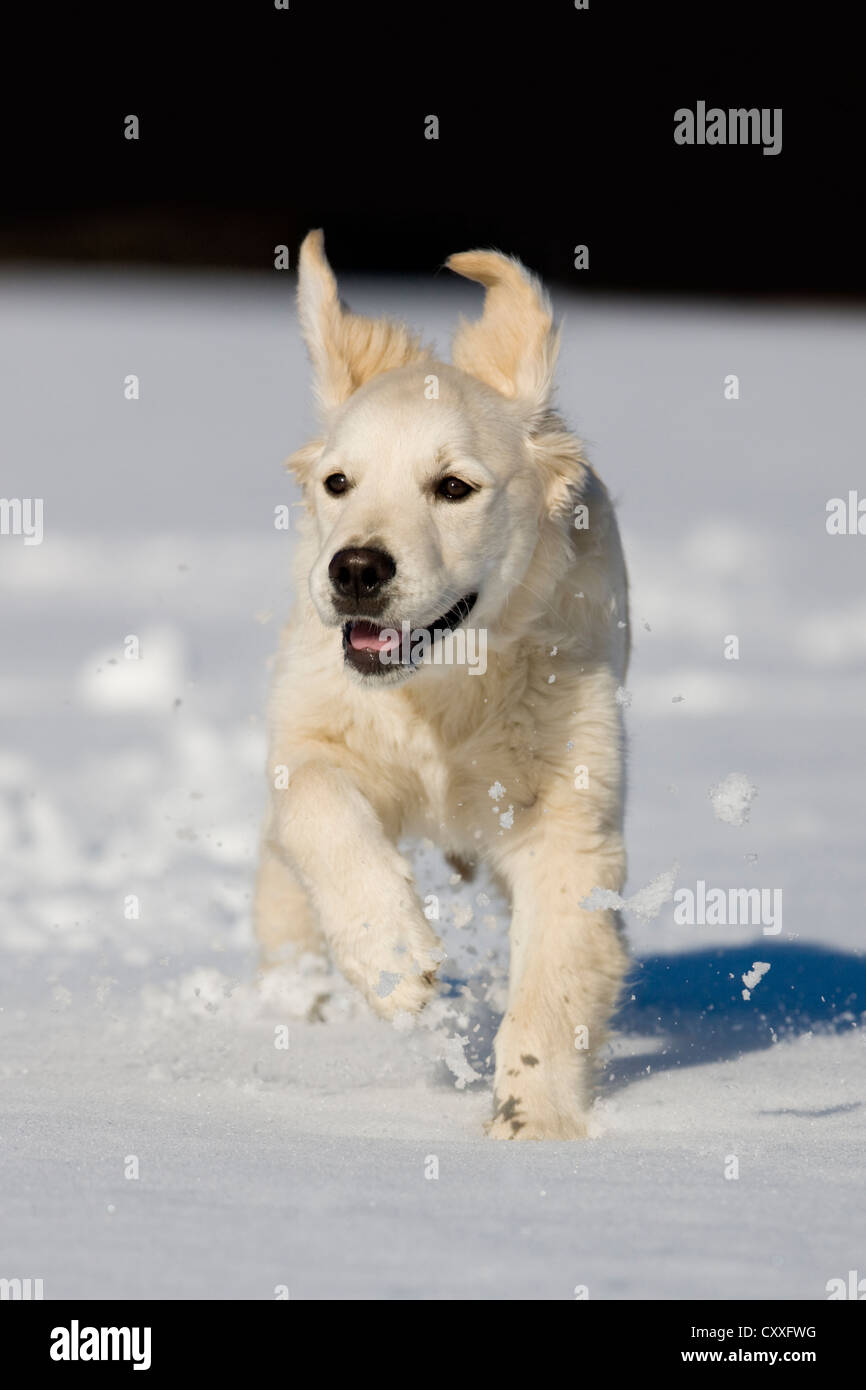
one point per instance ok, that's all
(511, 1120)
(407, 994)
(395, 970)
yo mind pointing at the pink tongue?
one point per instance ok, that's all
(365, 637)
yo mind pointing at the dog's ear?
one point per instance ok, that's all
(303, 460)
(345, 349)
(564, 469)
(513, 346)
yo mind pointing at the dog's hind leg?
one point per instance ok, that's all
(283, 915)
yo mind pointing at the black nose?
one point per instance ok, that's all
(360, 574)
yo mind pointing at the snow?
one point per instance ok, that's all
(646, 903)
(732, 798)
(754, 976)
(131, 790)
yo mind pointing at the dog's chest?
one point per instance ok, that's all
(463, 786)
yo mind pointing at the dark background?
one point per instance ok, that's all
(556, 128)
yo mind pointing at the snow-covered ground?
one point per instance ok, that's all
(137, 786)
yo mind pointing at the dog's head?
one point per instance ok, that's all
(431, 482)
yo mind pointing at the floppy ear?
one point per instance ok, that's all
(345, 349)
(564, 469)
(513, 346)
(303, 460)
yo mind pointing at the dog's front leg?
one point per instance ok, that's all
(567, 966)
(360, 886)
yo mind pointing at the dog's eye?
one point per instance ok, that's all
(454, 489)
(337, 483)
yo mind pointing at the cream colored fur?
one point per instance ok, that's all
(367, 762)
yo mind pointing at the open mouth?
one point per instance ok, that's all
(375, 649)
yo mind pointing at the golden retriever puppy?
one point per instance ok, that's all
(451, 670)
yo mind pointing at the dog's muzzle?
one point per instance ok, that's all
(379, 649)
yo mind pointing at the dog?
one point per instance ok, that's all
(439, 497)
